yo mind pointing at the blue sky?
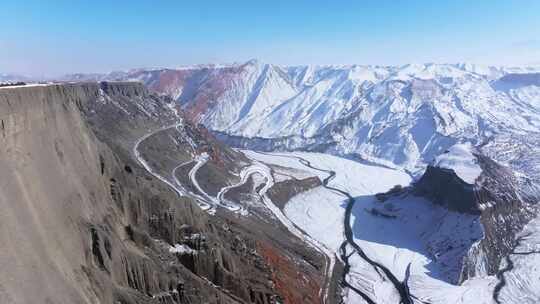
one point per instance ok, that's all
(57, 36)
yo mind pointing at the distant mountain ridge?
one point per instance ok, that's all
(398, 116)
(464, 214)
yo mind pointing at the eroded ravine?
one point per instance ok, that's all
(330, 259)
(349, 238)
(204, 200)
(209, 204)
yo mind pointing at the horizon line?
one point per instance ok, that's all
(44, 76)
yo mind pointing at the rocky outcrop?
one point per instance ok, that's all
(287, 280)
(83, 222)
(502, 200)
(79, 221)
(445, 188)
(506, 206)
(281, 192)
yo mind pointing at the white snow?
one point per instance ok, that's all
(308, 208)
(182, 249)
(28, 85)
(432, 239)
(522, 282)
(304, 212)
(363, 277)
(320, 212)
(475, 290)
(428, 237)
(357, 178)
(460, 158)
(401, 116)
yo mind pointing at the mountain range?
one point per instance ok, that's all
(396, 116)
(259, 183)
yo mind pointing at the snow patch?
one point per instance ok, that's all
(460, 158)
(182, 249)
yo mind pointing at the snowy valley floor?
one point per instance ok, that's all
(522, 277)
(404, 232)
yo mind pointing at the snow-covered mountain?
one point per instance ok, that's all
(398, 116)
(397, 237)
(7, 77)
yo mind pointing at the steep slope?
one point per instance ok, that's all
(188, 158)
(477, 185)
(84, 221)
(76, 221)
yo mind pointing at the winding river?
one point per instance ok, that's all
(401, 287)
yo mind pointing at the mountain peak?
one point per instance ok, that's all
(253, 61)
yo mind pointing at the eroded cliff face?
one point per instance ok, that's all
(78, 222)
(83, 222)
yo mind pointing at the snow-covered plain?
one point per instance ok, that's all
(428, 238)
(523, 281)
(306, 214)
(412, 231)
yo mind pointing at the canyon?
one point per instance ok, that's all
(257, 183)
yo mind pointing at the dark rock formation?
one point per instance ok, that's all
(83, 222)
(282, 192)
(502, 200)
(444, 187)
